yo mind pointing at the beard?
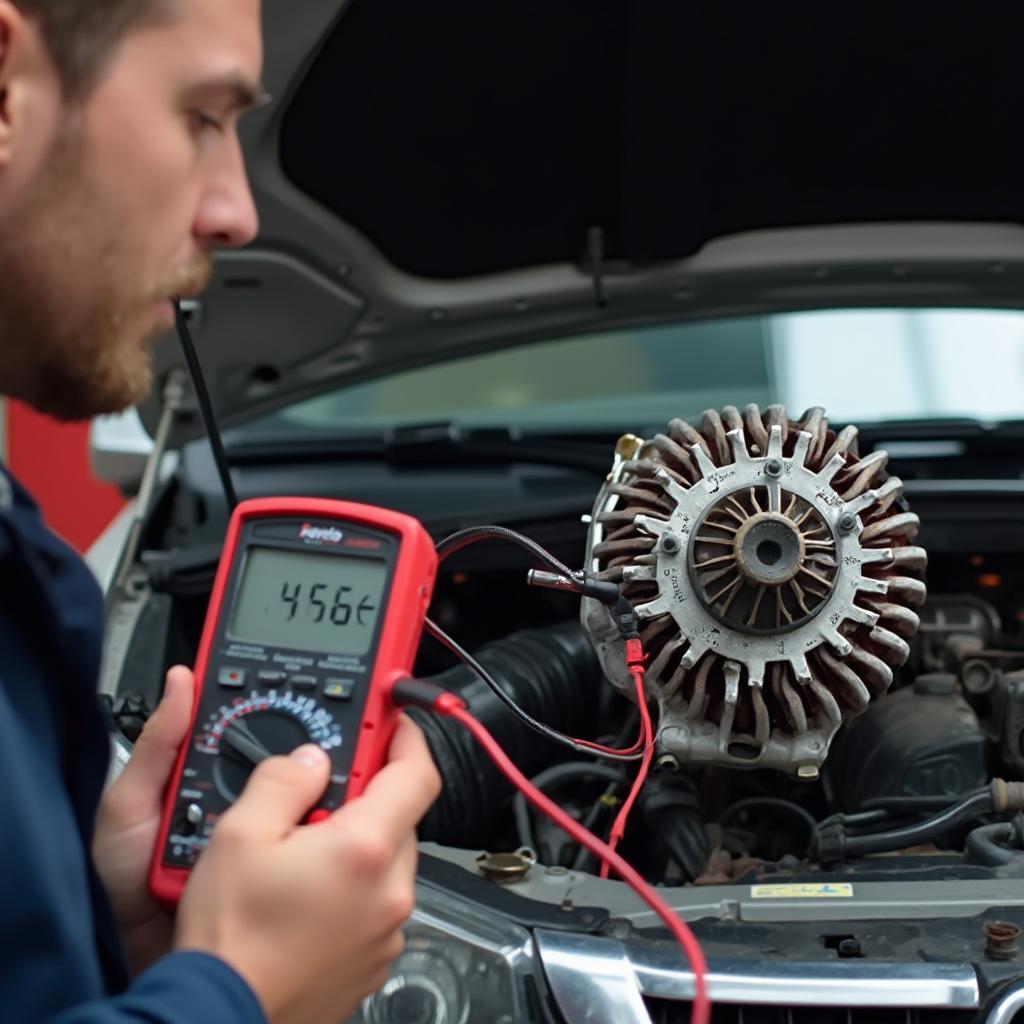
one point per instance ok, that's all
(75, 321)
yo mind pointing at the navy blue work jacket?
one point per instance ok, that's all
(60, 954)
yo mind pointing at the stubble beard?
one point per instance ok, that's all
(75, 321)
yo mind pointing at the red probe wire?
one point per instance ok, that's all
(434, 699)
(635, 661)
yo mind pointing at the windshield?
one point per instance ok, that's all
(861, 365)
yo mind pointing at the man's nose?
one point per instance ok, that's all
(227, 217)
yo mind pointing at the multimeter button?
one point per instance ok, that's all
(270, 675)
(304, 682)
(229, 676)
(315, 817)
(339, 689)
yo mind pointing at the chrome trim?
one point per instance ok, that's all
(1006, 1007)
(584, 971)
(592, 980)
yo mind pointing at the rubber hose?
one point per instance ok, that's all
(983, 844)
(921, 832)
(671, 810)
(554, 675)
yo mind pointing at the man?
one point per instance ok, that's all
(120, 171)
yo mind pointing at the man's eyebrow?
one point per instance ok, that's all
(244, 93)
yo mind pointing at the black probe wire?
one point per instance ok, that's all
(220, 456)
(474, 534)
(545, 730)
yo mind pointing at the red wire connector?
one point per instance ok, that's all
(635, 664)
(433, 698)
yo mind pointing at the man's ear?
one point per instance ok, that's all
(22, 57)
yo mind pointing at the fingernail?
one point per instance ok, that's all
(309, 755)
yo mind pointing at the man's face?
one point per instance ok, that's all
(116, 209)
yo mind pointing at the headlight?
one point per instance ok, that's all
(459, 966)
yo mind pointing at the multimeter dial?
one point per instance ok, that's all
(247, 731)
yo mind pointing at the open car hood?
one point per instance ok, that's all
(436, 180)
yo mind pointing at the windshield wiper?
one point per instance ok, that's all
(437, 443)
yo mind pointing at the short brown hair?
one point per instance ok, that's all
(81, 35)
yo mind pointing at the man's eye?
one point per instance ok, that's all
(206, 122)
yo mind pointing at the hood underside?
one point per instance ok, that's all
(435, 179)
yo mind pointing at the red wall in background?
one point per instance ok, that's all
(51, 460)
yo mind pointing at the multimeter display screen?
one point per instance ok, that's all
(312, 602)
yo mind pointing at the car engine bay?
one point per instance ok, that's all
(816, 708)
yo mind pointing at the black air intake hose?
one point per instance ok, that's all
(553, 674)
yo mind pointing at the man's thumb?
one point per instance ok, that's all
(280, 791)
(156, 748)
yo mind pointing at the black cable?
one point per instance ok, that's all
(474, 534)
(833, 844)
(914, 803)
(205, 406)
(775, 803)
(545, 730)
(557, 775)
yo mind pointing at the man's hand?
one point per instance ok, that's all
(311, 916)
(128, 821)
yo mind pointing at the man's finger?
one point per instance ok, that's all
(149, 767)
(279, 793)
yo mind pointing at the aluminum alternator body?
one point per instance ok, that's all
(773, 572)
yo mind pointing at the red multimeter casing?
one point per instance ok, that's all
(317, 610)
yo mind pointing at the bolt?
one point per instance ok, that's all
(1001, 940)
(670, 544)
(807, 772)
(556, 869)
(773, 468)
(847, 522)
(666, 763)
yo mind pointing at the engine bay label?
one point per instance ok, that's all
(802, 891)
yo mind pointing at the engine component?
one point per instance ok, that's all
(923, 740)
(1008, 703)
(672, 811)
(768, 564)
(954, 628)
(553, 675)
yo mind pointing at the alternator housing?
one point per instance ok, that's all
(773, 572)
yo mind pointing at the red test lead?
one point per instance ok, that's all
(433, 698)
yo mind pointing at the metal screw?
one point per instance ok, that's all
(670, 544)
(773, 468)
(1001, 940)
(847, 522)
(556, 869)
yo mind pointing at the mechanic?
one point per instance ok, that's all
(120, 172)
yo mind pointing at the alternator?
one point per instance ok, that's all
(768, 565)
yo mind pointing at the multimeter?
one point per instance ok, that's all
(317, 610)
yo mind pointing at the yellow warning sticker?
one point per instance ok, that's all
(805, 891)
